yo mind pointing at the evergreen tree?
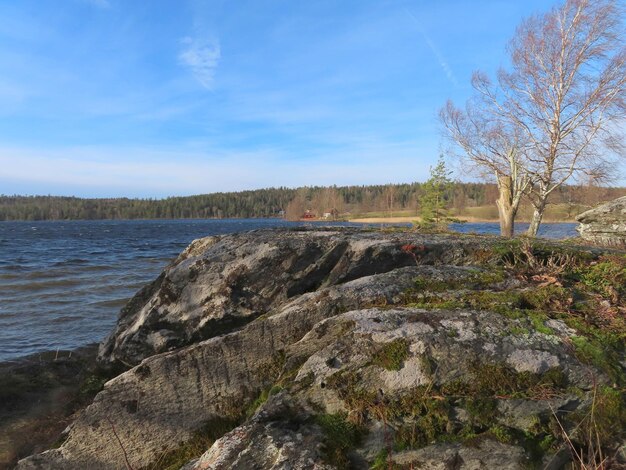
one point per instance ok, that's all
(433, 201)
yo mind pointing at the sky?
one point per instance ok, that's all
(109, 98)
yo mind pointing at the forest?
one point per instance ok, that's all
(345, 201)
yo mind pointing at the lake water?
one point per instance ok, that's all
(62, 283)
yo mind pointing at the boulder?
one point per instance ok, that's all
(326, 349)
(605, 224)
(219, 284)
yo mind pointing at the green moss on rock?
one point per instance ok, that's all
(392, 355)
(340, 436)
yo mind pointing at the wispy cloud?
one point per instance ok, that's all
(202, 58)
(443, 63)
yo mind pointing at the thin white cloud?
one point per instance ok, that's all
(443, 63)
(202, 58)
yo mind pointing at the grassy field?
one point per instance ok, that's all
(554, 213)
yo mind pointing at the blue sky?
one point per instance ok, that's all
(149, 99)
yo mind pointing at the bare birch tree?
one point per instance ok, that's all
(566, 92)
(562, 107)
(493, 148)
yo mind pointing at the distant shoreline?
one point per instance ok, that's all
(356, 220)
(468, 219)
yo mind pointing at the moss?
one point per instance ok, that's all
(488, 278)
(261, 399)
(501, 434)
(194, 447)
(278, 363)
(92, 384)
(500, 380)
(609, 413)
(518, 330)
(452, 333)
(594, 352)
(512, 303)
(541, 438)
(538, 320)
(426, 283)
(482, 411)
(392, 355)
(428, 365)
(383, 462)
(474, 279)
(289, 371)
(358, 400)
(429, 422)
(426, 414)
(614, 339)
(607, 276)
(306, 381)
(602, 424)
(60, 441)
(340, 436)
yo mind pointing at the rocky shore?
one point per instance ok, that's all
(343, 348)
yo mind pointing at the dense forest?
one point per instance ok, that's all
(276, 202)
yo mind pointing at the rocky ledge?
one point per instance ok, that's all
(605, 224)
(321, 349)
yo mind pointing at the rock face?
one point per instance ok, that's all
(221, 283)
(280, 435)
(605, 224)
(334, 349)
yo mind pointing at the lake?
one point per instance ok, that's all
(62, 283)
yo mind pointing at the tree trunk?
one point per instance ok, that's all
(506, 209)
(536, 220)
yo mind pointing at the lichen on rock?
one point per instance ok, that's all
(336, 348)
(605, 224)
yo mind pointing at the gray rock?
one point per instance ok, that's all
(486, 455)
(221, 283)
(278, 436)
(161, 402)
(605, 224)
(235, 315)
(537, 362)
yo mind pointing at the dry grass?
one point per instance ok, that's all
(486, 213)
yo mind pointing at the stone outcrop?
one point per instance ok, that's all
(605, 224)
(337, 349)
(221, 283)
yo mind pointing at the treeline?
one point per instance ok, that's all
(273, 202)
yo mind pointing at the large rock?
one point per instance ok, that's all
(221, 283)
(605, 224)
(163, 401)
(327, 324)
(338, 374)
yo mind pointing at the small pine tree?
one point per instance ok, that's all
(433, 202)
